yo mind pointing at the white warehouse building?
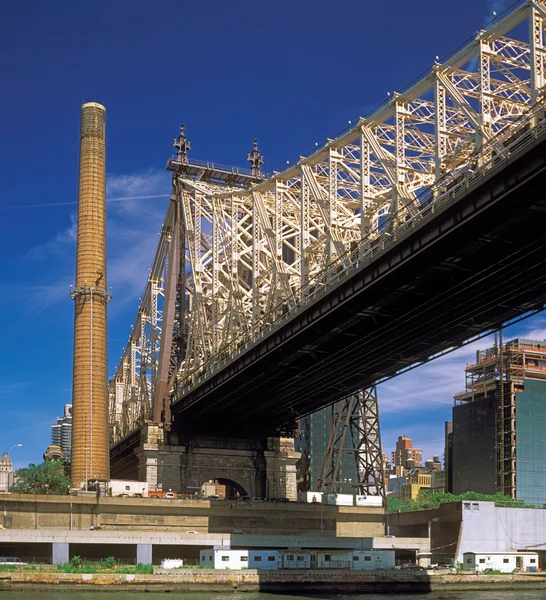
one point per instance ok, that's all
(358, 560)
(507, 562)
(239, 559)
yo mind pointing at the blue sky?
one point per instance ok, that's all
(289, 73)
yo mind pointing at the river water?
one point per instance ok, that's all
(506, 595)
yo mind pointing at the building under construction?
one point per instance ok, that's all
(499, 423)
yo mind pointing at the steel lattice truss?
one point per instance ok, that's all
(356, 416)
(233, 259)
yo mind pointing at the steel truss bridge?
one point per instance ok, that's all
(421, 226)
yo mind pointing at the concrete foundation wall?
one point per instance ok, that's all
(181, 516)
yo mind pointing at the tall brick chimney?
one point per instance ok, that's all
(90, 444)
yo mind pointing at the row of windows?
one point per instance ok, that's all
(504, 560)
(298, 558)
(245, 558)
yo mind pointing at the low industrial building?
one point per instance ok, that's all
(506, 562)
(357, 560)
(227, 558)
(457, 528)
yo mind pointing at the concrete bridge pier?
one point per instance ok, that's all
(60, 553)
(258, 468)
(144, 553)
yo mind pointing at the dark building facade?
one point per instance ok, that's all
(448, 456)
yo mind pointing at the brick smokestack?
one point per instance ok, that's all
(90, 444)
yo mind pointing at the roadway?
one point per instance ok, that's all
(207, 540)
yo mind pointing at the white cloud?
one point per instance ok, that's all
(430, 385)
(136, 184)
(11, 387)
(133, 224)
(133, 229)
(62, 242)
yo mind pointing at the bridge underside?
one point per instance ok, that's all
(478, 262)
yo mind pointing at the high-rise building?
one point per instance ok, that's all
(6, 473)
(313, 443)
(499, 423)
(61, 432)
(405, 451)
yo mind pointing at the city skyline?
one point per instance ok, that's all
(141, 127)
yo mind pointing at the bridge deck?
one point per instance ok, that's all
(472, 264)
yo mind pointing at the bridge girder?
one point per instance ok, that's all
(248, 251)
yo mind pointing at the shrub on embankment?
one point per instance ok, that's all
(109, 565)
(428, 500)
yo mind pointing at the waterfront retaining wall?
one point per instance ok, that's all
(253, 580)
(25, 511)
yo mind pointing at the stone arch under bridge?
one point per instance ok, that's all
(262, 468)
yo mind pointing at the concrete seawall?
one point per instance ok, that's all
(252, 580)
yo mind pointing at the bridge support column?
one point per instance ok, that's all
(144, 554)
(158, 462)
(281, 459)
(60, 553)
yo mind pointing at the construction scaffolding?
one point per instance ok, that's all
(498, 374)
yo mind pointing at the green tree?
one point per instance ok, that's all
(46, 478)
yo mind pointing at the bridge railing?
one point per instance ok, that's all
(430, 202)
(213, 166)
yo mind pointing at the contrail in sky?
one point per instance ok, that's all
(48, 204)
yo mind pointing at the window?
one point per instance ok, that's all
(244, 558)
(328, 557)
(355, 558)
(505, 560)
(290, 557)
(225, 558)
(368, 558)
(482, 560)
(270, 558)
(301, 558)
(468, 560)
(533, 560)
(258, 559)
(475, 506)
(466, 505)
